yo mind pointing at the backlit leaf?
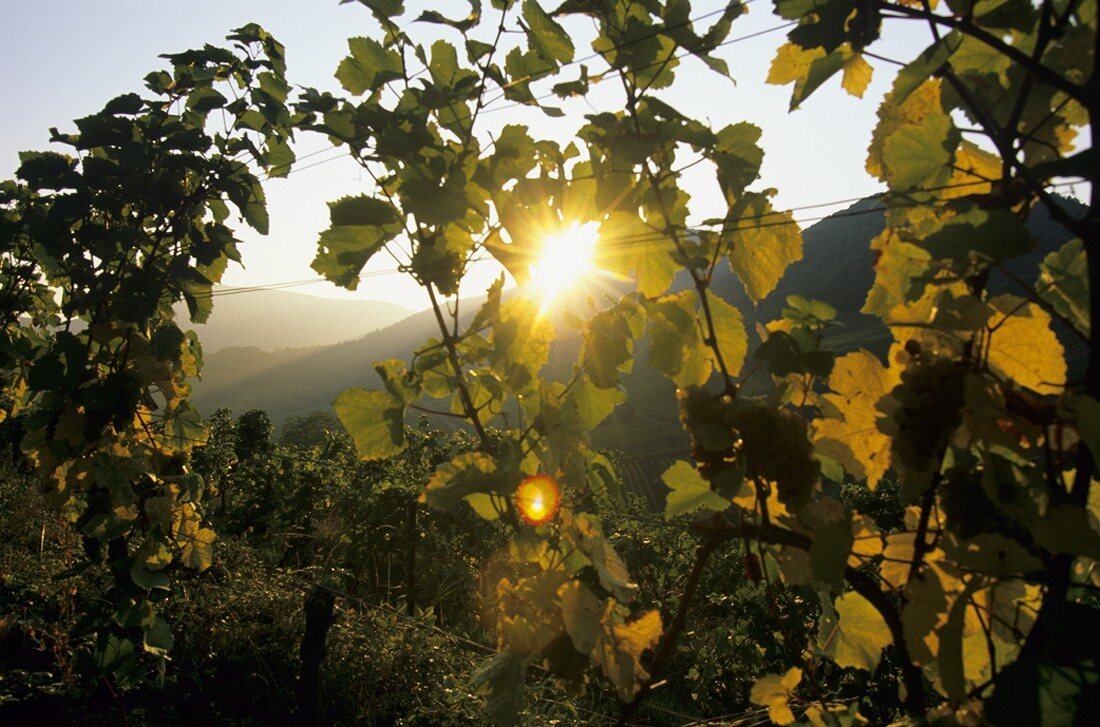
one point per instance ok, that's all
(861, 633)
(761, 251)
(1063, 282)
(466, 474)
(729, 328)
(857, 383)
(688, 491)
(580, 610)
(369, 67)
(620, 646)
(374, 419)
(677, 348)
(857, 75)
(1023, 347)
(775, 692)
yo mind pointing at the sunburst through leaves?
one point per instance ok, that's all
(567, 259)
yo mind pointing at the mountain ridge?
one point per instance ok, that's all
(266, 319)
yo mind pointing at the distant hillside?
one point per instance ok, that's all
(837, 267)
(274, 319)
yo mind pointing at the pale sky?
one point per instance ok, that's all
(64, 60)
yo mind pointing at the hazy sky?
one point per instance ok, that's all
(63, 60)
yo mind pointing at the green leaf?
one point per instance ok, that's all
(361, 210)
(183, 426)
(677, 348)
(487, 506)
(737, 156)
(593, 403)
(580, 611)
(205, 99)
(629, 245)
(609, 342)
(157, 636)
(546, 36)
(369, 67)
(994, 234)
(255, 210)
(374, 419)
(761, 251)
(832, 540)
(951, 665)
(688, 491)
(343, 251)
(513, 154)
(914, 141)
(501, 679)
(1087, 418)
(1063, 282)
(466, 474)
(917, 155)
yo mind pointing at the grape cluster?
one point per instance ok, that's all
(776, 446)
(928, 409)
(709, 419)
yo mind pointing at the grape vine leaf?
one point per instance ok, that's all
(374, 419)
(1023, 347)
(761, 251)
(859, 636)
(619, 648)
(858, 382)
(1063, 282)
(688, 491)
(857, 75)
(775, 692)
(369, 67)
(580, 611)
(468, 473)
(729, 330)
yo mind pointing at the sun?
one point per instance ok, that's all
(567, 259)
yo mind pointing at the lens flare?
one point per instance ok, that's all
(537, 499)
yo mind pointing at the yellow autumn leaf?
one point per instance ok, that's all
(857, 75)
(974, 169)
(1023, 347)
(775, 692)
(733, 341)
(861, 634)
(858, 381)
(760, 254)
(619, 648)
(866, 541)
(792, 63)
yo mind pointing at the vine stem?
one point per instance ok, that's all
(668, 641)
(720, 527)
(967, 27)
(701, 282)
(460, 380)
